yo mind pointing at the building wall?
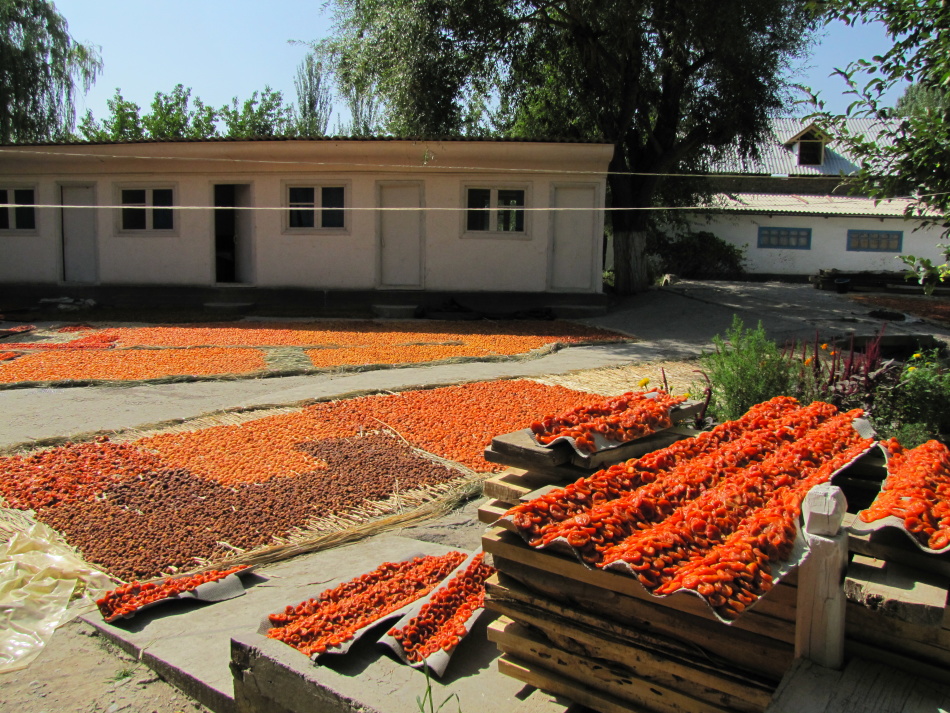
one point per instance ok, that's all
(829, 238)
(452, 258)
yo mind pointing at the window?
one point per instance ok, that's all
(811, 150)
(21, 215)
(788, 238)
(499, 210)
(315, 207)
(881, 241)
(147, 209)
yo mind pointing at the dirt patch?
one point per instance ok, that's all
(935, 309)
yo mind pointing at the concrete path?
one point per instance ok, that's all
(671, 323)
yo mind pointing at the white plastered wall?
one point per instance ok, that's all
(452, 259)
(829, 238)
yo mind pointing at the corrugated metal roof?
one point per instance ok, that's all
(776, 158)
(809, 205)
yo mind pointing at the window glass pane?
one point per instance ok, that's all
(133, 219)
(331, 201)
(479, 203)
(133, 197)
(4, 212)
(162, 196)
(162, 219)
(510, 218)
(301, 196)
(810, 153)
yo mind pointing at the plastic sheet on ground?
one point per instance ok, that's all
(39, 575)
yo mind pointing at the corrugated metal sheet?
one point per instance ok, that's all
(809, 205)
(322, 139)
(776, 158)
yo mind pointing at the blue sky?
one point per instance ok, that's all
(227, 48)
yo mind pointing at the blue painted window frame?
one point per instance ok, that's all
(874, 236)
(771, 238)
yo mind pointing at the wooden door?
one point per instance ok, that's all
(573, 241)
(400, 235)
(80, 258)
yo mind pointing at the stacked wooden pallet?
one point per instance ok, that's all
(599, 638)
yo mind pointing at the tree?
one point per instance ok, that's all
(667, 82)
(40, 68)
(124, 122)
(908, 157)
(919, 100)
(171, 117)
(264, 114)
(314, 99)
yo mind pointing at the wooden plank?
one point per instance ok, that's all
(896, 660)
(693, 676)
(521, 444)
(564, 470)
(576, 692)
(894, 546)
(647, 626)
(607, 677)
(871, 626)
(491, 511)
(508, 546)
(897, 592)
(514, 483)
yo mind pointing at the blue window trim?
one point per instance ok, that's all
(764, 235)
(858, 233)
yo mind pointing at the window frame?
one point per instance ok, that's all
(493, 212)
(857, 232)
(318, 209)
(764, 229)
(149, 207)
(11, 213)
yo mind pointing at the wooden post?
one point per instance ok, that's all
(819, 629)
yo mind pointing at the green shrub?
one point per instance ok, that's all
(691, 255)
(918, 402)
(746, 368)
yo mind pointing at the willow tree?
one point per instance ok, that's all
(667, 82)
(41, 67)
(314, 98)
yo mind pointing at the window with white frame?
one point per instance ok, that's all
(787, 238)
(495, 210)
(146, 209)
(875, 241)
(316, 207)
(18, 212)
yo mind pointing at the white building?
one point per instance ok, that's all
(444, 215)
(788, 210)
(802, 234)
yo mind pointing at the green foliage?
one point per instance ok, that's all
(124, 122)
(40, 68)
(927, 274)
(696, 254)
(264, 114)
(314, 99)
(917, 404)
(171, 117)
(745, 369)
(908, 157)
(668, 84)
(426, 703)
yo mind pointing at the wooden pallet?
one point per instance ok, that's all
(519, 449)
(647, 678)
(541, 585)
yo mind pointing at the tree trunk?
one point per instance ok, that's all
(630, 266)
(629, 226)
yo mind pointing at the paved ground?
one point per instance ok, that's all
(75, 673)
(676, 322)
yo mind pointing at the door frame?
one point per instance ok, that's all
(212, 248)
(421, 185)
(597, 220)
(60, 185)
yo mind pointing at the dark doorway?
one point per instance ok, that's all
(225, 234)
